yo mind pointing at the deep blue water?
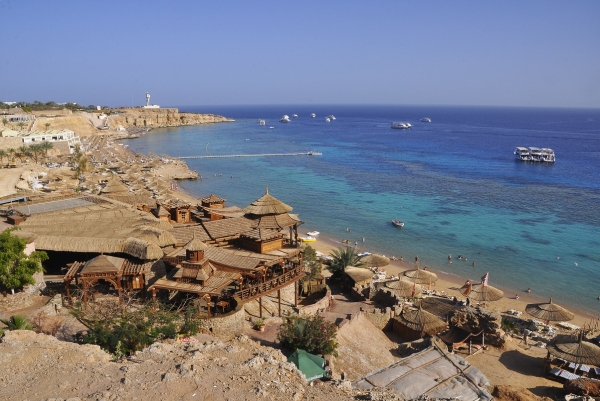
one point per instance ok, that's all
(454, 182)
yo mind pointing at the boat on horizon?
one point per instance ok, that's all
(533, 154)
(262, 122)
(313, 115)
(294, 115)
(398, 223)
(426, 120)
(331, 117)
(285, 119)
(327, 119)
(401, 125)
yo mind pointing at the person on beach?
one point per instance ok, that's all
(416, 259)
(449, 257)
(529, 290)
(474, 263)
(363, 238)
(516, 296)
(355, 244)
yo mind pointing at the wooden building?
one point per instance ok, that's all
(122, 274)
(178, 211)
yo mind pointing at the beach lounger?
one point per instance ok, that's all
(582, 368)
(560, 374)
(597, 371)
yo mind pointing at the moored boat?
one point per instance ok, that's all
(398, 223)
(401, 125)
(426, 120)
(313, 233)
(522, 154)
(285, 119)
(535, 154)
(262, 122)
(548, 155)
(294, 115)
(308, 239)
(313, 115)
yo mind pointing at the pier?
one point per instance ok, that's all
(311, 153)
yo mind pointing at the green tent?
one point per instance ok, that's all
(309, 364)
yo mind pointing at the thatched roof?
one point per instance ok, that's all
(422, 321)
(403, 288)
(549, 311)
(103, 264)
(376, 261)
(212, 198)
(420, 276)
(195, 245)
(577, 351)
(267, 204)
(277, 222)
(359, 274)
(115, 185)
(480, 293)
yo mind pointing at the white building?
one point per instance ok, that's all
(52, 136)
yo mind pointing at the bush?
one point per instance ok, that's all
(312, 334)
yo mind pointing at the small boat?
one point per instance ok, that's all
(426, 120)
(313, 115)
(308, 239)
(262, 122)
(314, 153)
(548, 155)
(294, 115)
(398, 223)
(327, 119)
(285, 119)
(271, 127)
(401, 125)
(522, 154)
(313, 233)
(331, 117)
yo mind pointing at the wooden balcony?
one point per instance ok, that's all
(257, 291)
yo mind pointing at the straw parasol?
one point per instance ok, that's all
(422, 321)
(549, 311)
(404, 288)
(577, 351)
(267, 204)
(376, 261)
(419, 276)
(481, 293)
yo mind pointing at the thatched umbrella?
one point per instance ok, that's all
(479, 292)
(376, 261)
(266, 205)
(549, 311)
(404, 288)
(577, 351)
(421, 321)
(420, 276)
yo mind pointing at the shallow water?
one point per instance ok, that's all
(454, 182)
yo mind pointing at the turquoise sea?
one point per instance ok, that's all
(454, 182)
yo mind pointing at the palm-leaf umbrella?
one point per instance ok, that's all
(404, 288)
(549, 311)
(481, 293)
(577, 351)
(376, 261)
(421, 321)
(420, 276)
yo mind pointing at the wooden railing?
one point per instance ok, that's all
(248, 294)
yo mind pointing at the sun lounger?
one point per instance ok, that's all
(563, 374)
(582, 368)
(597, 371)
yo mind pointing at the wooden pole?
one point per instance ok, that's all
(279, 301)
(296, 293)
(260, 307)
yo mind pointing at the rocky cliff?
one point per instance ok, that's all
(154, 118)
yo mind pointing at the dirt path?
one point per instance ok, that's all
(9, 177)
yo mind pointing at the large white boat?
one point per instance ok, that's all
(548, 155)
(327, 119)
(522, 154)
(262, 122)
(426, 120)
(535, 154)
(401, 125)
(331, 117)
(313, 115)
(285, 119)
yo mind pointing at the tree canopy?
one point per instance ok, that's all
(17, 268)
(342, 258)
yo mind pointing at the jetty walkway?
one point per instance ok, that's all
(311, 153)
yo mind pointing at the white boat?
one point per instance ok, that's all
(294, 115)
(522, 154)
(313, 115)
(327, 119)
(426, 120)
(331, 117)
(314, 153)
(535, 154)
(313, 233)
(262, 122)
(398, 223)
(285, 119)
(401, 125)
(548, 155)
(271, 127)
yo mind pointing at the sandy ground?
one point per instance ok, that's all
(9, 177)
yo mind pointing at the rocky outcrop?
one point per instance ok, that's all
(583, 387)
(475, 319)
(154, 118)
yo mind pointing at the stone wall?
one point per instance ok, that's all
(321, 304)
(154, 118)
(227, 326)
(10, 302)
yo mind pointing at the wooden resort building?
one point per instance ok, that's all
(175, 211)
(122, 274)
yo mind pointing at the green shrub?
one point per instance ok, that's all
(312, 334)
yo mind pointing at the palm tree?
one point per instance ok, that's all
(47, 125)
(21, 125)
(10, 152)
(17, 322)
(46, 146)
(342, 258)
(22, 152)
(4, 121)
(34, 150)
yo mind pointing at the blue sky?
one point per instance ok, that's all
(502, 53)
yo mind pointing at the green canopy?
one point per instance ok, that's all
(309, 364)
